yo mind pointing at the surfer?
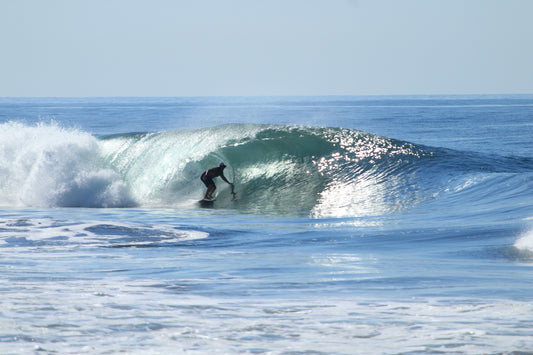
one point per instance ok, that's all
(207, 179)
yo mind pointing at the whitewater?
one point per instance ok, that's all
(360, 225)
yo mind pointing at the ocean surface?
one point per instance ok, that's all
(360, 225)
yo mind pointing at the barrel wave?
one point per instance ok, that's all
(318, 171)
(276, 169)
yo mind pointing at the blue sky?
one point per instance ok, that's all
(270, 47)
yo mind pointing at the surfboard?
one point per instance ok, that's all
(206, 203)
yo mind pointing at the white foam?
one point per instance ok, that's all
(46, 165)
(47, 233)
(140, 317)
(525, 241)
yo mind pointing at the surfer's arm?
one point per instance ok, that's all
(224, 178)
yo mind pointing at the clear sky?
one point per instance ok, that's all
(265, 47)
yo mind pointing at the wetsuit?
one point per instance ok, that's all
(208, 175)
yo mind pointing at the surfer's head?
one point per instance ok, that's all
(222, 165)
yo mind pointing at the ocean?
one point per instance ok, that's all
(360, 225)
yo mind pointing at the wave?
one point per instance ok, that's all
(319, 171)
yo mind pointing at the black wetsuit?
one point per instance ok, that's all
(208, 175)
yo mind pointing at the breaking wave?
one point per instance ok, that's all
(277, 169)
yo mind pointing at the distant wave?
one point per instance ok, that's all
(277, 169)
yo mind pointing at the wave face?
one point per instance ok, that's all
(325, 172)
(277, 169)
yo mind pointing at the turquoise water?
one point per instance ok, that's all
(375, 225)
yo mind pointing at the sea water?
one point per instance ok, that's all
(360, 225)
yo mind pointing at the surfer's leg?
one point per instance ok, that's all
(210, 190)
(208, 182)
